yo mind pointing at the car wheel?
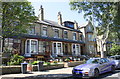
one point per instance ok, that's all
(112, 69)
(96, 73)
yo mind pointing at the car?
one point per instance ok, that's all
(93, 67)
(116, 59)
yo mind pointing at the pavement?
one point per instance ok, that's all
(48, 74)
(63, 73)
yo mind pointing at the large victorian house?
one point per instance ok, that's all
(88, 38)
(48, 39)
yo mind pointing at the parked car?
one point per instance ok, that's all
(116, 59)
(93, 67)
(86, 57)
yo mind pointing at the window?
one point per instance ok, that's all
(28, 46)
(80, 37)
(16, 44)
(44, 47)
(76, 49)
(89, 28)
(65, 34)
(44, 31)
(74, 36)
(56, 35)
(57, 49)
(91, 48)
(32, 30)
(90, 37)
(33, 46)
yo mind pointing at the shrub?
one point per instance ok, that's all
(48, 63)
(35, 63)
(16, 60)
(67, 60)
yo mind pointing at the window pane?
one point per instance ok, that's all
(74, 36)
(44, 31)
(28, 46)
(33, 46)
(56, 33)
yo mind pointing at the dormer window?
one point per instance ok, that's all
(74, 36)
(44, 31)
(65, 34)
(56, 33)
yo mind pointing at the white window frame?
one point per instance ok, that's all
(54, 32)
(77, 51)
(29, 53)
(67, 34)
(76, 35)
(46, 31)
(31, 29)
(57, 49)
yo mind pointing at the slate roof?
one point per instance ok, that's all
(55, 24)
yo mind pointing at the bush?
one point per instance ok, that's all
(16, 60)
(48, 63)
(35, 63)
(67, 59)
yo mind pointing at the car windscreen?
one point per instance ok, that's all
(117, 57)
(94, 61)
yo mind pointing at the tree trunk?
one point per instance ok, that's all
(3, 44)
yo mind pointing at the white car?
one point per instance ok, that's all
(116, 59)
(93, 67)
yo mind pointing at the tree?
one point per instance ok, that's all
(16, 18)
(115, 50)
(104, 13)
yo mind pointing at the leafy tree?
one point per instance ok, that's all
(105, 14)
(16, 18)
(115, 50)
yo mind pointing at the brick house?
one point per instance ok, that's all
(49, 39)
(88, 38)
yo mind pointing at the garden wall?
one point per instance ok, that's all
(17, 69)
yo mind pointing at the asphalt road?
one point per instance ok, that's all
(63, 73)
(108, 75)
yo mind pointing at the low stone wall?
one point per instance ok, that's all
(46, 67)
(72, 64)
(17, 69)
(11, 69)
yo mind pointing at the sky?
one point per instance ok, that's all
(52, 7)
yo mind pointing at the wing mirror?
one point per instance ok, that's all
(100, 62)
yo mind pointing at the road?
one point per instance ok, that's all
(108, 75)
(57, 74)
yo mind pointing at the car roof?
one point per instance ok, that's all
(95, 58)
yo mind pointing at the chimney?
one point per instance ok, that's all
(75, 25)
(41, 13)
(59, 18)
